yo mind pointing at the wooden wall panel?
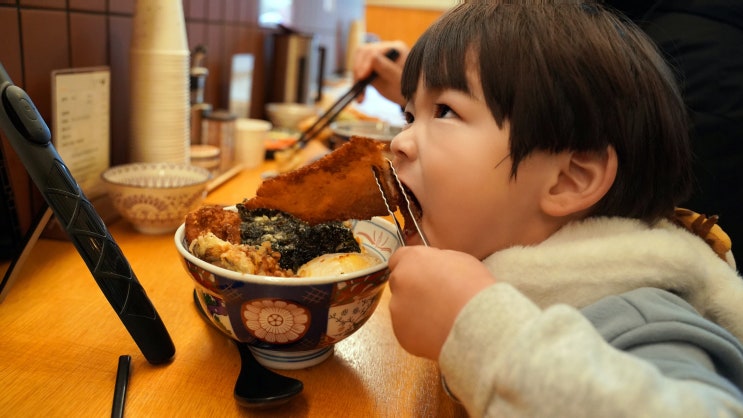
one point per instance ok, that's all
(395, 23)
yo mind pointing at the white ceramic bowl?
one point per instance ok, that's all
(155, 197)
(292, 322)
(289, 115)
(345, 129)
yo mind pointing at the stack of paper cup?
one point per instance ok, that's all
(159, 61)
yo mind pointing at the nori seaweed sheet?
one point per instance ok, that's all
(298, 242)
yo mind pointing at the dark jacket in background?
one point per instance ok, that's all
(703, 42)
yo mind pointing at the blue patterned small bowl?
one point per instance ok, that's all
(293, 322)
(155, 197)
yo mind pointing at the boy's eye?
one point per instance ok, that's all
(442, 111)
(409, 118)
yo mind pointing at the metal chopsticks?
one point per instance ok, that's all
(407, 203)
(409, 208)
(400, 234)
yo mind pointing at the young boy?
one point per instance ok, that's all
(547, 146)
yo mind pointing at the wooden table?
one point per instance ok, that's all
(60, 342)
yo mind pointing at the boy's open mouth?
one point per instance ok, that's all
(413, 209)
(415, 206)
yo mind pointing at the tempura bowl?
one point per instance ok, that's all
(293, 322)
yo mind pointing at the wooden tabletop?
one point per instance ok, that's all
(60, 342)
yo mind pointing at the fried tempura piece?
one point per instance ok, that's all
(261, 260)
(225, 224)
(337, 187)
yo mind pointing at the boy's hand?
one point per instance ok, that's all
(429, 287)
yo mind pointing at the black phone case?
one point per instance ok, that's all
(30, 137)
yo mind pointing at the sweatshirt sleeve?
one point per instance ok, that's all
(506, 357)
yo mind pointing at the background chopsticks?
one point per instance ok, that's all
(341, 104)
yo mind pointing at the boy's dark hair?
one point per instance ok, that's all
(568, 75)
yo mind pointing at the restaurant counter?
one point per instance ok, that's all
(60, 343)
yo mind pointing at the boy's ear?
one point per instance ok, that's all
(580, 181)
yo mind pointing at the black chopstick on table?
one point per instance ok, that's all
(341, 104)
(122, 381)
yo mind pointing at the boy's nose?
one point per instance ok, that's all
(403, 144)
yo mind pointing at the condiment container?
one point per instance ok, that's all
(218, 129)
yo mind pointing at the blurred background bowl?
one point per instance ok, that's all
(288, 115)
(344, 130)
(292, 322)
(155, 197)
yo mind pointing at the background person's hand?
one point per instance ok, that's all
(429, 287)
(370, 57)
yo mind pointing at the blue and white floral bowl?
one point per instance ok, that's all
(293, 322)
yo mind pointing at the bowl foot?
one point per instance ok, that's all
(291, 360)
